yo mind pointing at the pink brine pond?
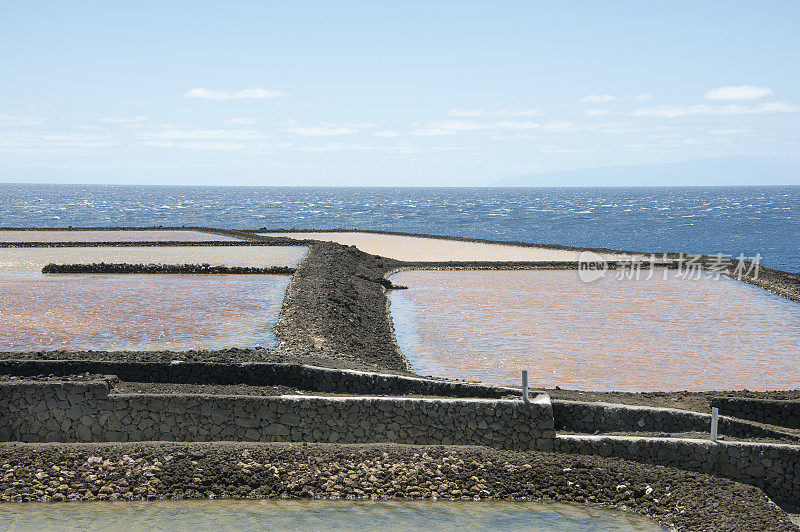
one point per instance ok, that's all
(624, 335)
(139, 312)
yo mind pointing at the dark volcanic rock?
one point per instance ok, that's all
(691, 501)
(202, 269)
(335, 304)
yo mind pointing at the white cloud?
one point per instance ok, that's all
(386, 134)
(432, 132)
(458, 125)
(461, 125)
(612, 128)
(608, 98)
(599, 98)
(11, 120)
(511, 124)
(258, 94)
(204, 134)
(478, 113)
(513, 136)
(357, 125)
(321, 131)
(233, 95)
(241, 121)
(599, 112)
(560, 126)
(741, 92)
(124, 121)
(208, 94)
(26, 142)
(675, 111)
(194, 145)
(728, 131)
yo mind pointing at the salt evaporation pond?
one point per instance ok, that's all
(414, 248)
(421, 516)
(623, 335)
(123, 235)
(32, 260)
(139, 312)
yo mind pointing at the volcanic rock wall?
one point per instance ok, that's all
(85, 412)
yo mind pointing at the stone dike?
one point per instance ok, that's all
(597, 417)
(336, 304)
(53, 411)
(198, 269)
(166, 470)
(304, 377)
(771, 467)
(772, 411)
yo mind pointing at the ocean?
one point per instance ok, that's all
(709, 220)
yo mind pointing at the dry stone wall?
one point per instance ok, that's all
(594, 417)
(772, 467)
(299, 376)
(771, 411)
(85, 412)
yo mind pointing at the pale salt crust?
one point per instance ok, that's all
(409, 248)
(112, 236)
(32, 260)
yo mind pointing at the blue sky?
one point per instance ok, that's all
(379, 93)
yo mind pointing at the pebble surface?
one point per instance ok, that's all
(151, 471)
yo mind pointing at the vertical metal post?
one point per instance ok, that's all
(714, 423)
(525, 386)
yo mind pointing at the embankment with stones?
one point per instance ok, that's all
(336, 304)
(84, 411)
(598, 417)
(771, 467)
(771, 411)
(299, 376)
(198, 269)
(68, 411)
(686, 501)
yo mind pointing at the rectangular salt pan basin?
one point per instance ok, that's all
(610, 335)
(139, 312)
(32, 260)
(113, 236)
(436, 249)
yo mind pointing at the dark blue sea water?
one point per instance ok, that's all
(730, 220)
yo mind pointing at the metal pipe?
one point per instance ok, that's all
(714, 423)
(525, 386)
